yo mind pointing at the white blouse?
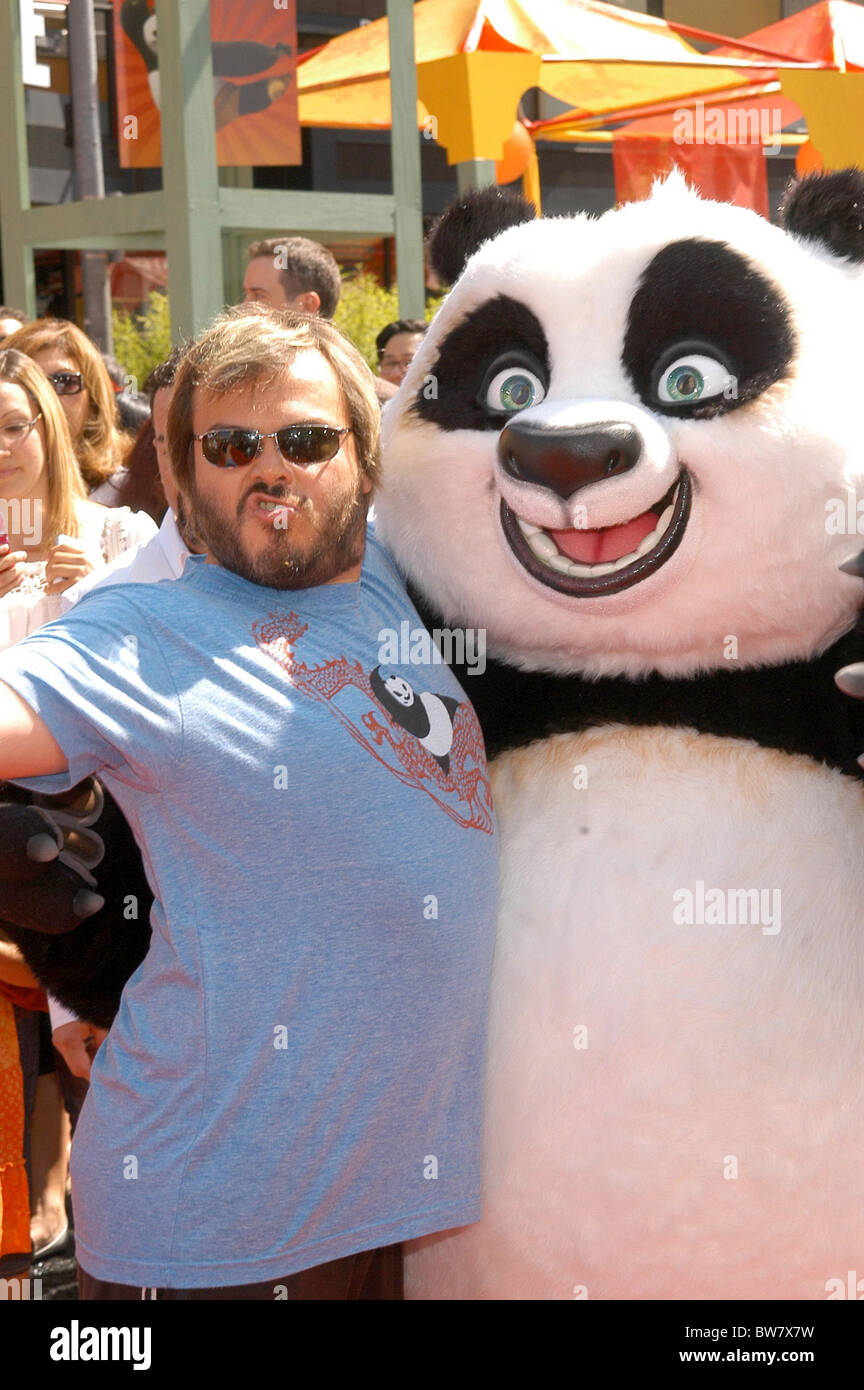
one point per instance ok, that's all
(105, 534)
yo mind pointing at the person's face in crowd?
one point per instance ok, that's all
(316, 533)
(76, 407)
(262, 284)
(159, 413)
(22, 459)
(7, 327)
(398, 355)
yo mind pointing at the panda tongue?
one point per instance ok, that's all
(607, 543)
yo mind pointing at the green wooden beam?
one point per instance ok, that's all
(19, 278)
(95, 223)
(234, 243)
(234, 262)
(190, 180)
(405, 158)
(280, 210)
(475, 173)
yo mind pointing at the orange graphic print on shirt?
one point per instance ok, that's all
(430, 742)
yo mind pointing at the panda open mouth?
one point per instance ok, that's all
(589, 562)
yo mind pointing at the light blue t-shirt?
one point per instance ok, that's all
(295, 1071)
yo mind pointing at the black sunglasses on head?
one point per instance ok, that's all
(66, 383)
(303, 445)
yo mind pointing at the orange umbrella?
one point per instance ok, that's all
(594, 56)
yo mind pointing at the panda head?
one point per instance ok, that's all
(398, 697)
(623, 440)
(399, 690)
(150, 33)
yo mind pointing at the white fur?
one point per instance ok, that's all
(763, 473)
(604, 1166)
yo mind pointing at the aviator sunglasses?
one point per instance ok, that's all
(303, 445)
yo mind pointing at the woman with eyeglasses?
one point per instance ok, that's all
(83, 387)
(51, 535)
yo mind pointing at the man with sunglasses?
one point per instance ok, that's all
(292, 1085)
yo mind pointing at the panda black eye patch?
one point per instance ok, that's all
(502, 328)
(702, 293)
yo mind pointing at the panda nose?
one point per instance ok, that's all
(566, 459)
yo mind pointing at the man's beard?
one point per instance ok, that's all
(337, 547)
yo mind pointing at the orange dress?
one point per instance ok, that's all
(14, 1189)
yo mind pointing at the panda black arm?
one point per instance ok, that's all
(84, 968)
(795, 707)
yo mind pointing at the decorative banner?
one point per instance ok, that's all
(254, 77)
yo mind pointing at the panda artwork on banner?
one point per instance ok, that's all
(641, 428)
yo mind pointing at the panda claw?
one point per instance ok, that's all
(85, 903)
(854, 565)
(42, 848)
(851, 680)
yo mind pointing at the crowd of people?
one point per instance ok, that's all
(101, 487)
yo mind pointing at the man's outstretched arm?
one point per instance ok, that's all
(27, 746)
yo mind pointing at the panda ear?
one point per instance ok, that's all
(468, 222)
(827, 208)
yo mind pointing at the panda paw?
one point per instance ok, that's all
(45, 882)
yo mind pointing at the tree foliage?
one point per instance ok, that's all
(365, 308)
(142, 341)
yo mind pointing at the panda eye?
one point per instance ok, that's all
(694, 377)
(514, 388)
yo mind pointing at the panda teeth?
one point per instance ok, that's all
(561, 563)
(546, 550)
(544, 547)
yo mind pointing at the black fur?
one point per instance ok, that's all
(827, 208)
(468, 222)
(500, 330)
(795, 707)
(704, 291)
(87, 968)
(133, 16)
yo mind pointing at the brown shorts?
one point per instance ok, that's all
(371, 1274)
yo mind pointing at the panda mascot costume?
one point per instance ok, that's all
(629, 450)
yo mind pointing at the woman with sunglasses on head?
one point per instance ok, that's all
(83, 387)
(52, 534)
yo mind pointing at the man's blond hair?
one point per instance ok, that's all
(252, 345)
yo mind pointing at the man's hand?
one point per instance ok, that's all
(10, 568)
(68, 562)
(78, 1043)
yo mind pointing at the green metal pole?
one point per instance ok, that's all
(405, 154)
(190, 182)
(19, 278)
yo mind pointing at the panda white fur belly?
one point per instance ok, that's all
(673, 1111)
(675, 1096)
